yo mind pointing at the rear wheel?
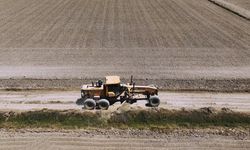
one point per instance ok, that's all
(89, 104)
(103, 104)
(153, 101)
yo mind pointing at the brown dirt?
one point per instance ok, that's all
(124, 139)
(185, 41)
(119, 24)
(218, 85)
(234, 7)
(241, 3)
(154, 39)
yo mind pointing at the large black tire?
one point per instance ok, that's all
(89, 104)
(154, 101)
(103, 104)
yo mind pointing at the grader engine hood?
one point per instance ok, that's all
(152, 90)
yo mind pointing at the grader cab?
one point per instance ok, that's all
(102, 95)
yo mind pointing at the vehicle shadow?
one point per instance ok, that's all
(80, 101)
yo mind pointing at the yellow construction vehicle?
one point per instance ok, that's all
(101, 95)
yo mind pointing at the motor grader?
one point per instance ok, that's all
(101, 95)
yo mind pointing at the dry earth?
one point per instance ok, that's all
(124, 139)
(155, 39)
(234, 7)
(242, 3)
(61, 100)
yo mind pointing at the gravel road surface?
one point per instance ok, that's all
(38, 99)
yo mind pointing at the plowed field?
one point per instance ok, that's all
(148, 38)
(154, 39)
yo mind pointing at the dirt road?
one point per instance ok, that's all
(124, 140)
(38, 99)
(241, 3)
(235, 7)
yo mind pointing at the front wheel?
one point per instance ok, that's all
(89, 104)
(154, 101)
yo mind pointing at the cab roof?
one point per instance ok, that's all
(113, 80)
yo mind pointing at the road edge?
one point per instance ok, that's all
(232, 8)
(210, 85)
